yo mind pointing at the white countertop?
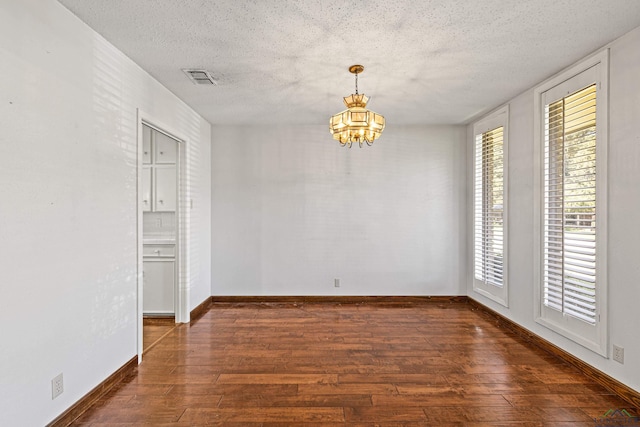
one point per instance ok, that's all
(158, 241)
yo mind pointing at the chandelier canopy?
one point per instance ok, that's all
(356, 123)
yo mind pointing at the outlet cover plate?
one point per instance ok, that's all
(57, 386)
(618, 354)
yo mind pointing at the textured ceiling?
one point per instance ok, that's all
(429, 61)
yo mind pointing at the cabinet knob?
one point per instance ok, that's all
(146, 152)
(157, 251)
(162, 152)
(145, 201)
(161, 201)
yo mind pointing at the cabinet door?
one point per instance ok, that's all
(146, 144)
(158, 287)
(146, 189)
(164, 179)
(165, 149)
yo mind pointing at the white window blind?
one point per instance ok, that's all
(569, 241)
(489, 207)
(570, 216)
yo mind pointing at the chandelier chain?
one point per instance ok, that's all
(356, 73)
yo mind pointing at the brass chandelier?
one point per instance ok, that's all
(356, 123)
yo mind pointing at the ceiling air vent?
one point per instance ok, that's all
(200, 77)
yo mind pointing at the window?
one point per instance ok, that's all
(571, 211)
(490, 203)
(570, 205)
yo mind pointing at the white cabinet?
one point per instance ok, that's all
(159, 191)
(158, 250)
(146, 189)
(159, 171)
(159, 194)
(158, 286)
(165, 149)
(146, 144)
(164, 189)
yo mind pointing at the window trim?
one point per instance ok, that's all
(596, 338)
(497, 118)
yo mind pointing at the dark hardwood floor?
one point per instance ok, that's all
(437, 364)
(154, 329)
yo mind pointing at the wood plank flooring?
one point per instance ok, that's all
(438, 364)
(154, 329)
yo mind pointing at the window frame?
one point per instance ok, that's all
(498, 118)
(594, 337)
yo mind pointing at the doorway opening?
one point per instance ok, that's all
(161, 294)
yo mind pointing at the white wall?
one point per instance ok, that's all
(292, 210)
(624, 205)
(68, 103)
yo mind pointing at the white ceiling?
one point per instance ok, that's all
(426, 62)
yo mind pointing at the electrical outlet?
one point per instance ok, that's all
(57, 387)
(618, 354)
(336, 283)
